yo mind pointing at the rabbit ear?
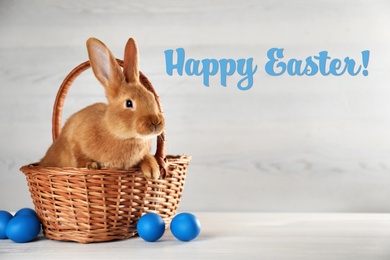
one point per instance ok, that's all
(130, 64)
(104, 66)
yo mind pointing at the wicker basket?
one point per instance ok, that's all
(85, 205)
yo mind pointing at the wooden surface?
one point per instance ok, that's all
(238, 236)
(319, 143)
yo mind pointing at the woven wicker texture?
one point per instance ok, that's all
(85, 205)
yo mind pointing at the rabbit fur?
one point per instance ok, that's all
(117, 134)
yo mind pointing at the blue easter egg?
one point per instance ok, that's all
(151, 227)
(185, 226)
(5, 217)
(26, 211)
(23, 228)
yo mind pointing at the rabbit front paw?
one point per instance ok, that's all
(150, 167)
(92, 165)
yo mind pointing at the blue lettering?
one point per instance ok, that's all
(334, 66)
(311, 67)
(294, 67)
(224, 64)
(350, 63)
(209, 70)
(169, 66)
(248, 73)
(274, 55)
(192, 67)
(322, 62)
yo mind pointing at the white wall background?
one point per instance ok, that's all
(288, 144)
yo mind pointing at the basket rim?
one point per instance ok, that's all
(86, 171)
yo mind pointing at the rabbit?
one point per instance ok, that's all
(114, 135)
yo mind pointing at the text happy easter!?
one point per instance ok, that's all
(177, 63)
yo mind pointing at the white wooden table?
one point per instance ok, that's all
(237, 236)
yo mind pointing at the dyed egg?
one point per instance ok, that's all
(26, 211)
(185, 226)
(23, 228)
(151, 227)
(5, 217)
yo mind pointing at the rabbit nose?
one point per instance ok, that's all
(156, 123)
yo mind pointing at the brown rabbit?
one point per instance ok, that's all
(117, 134)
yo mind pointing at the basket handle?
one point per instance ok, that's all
(60, 99)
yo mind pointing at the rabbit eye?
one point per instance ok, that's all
(129, 103)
